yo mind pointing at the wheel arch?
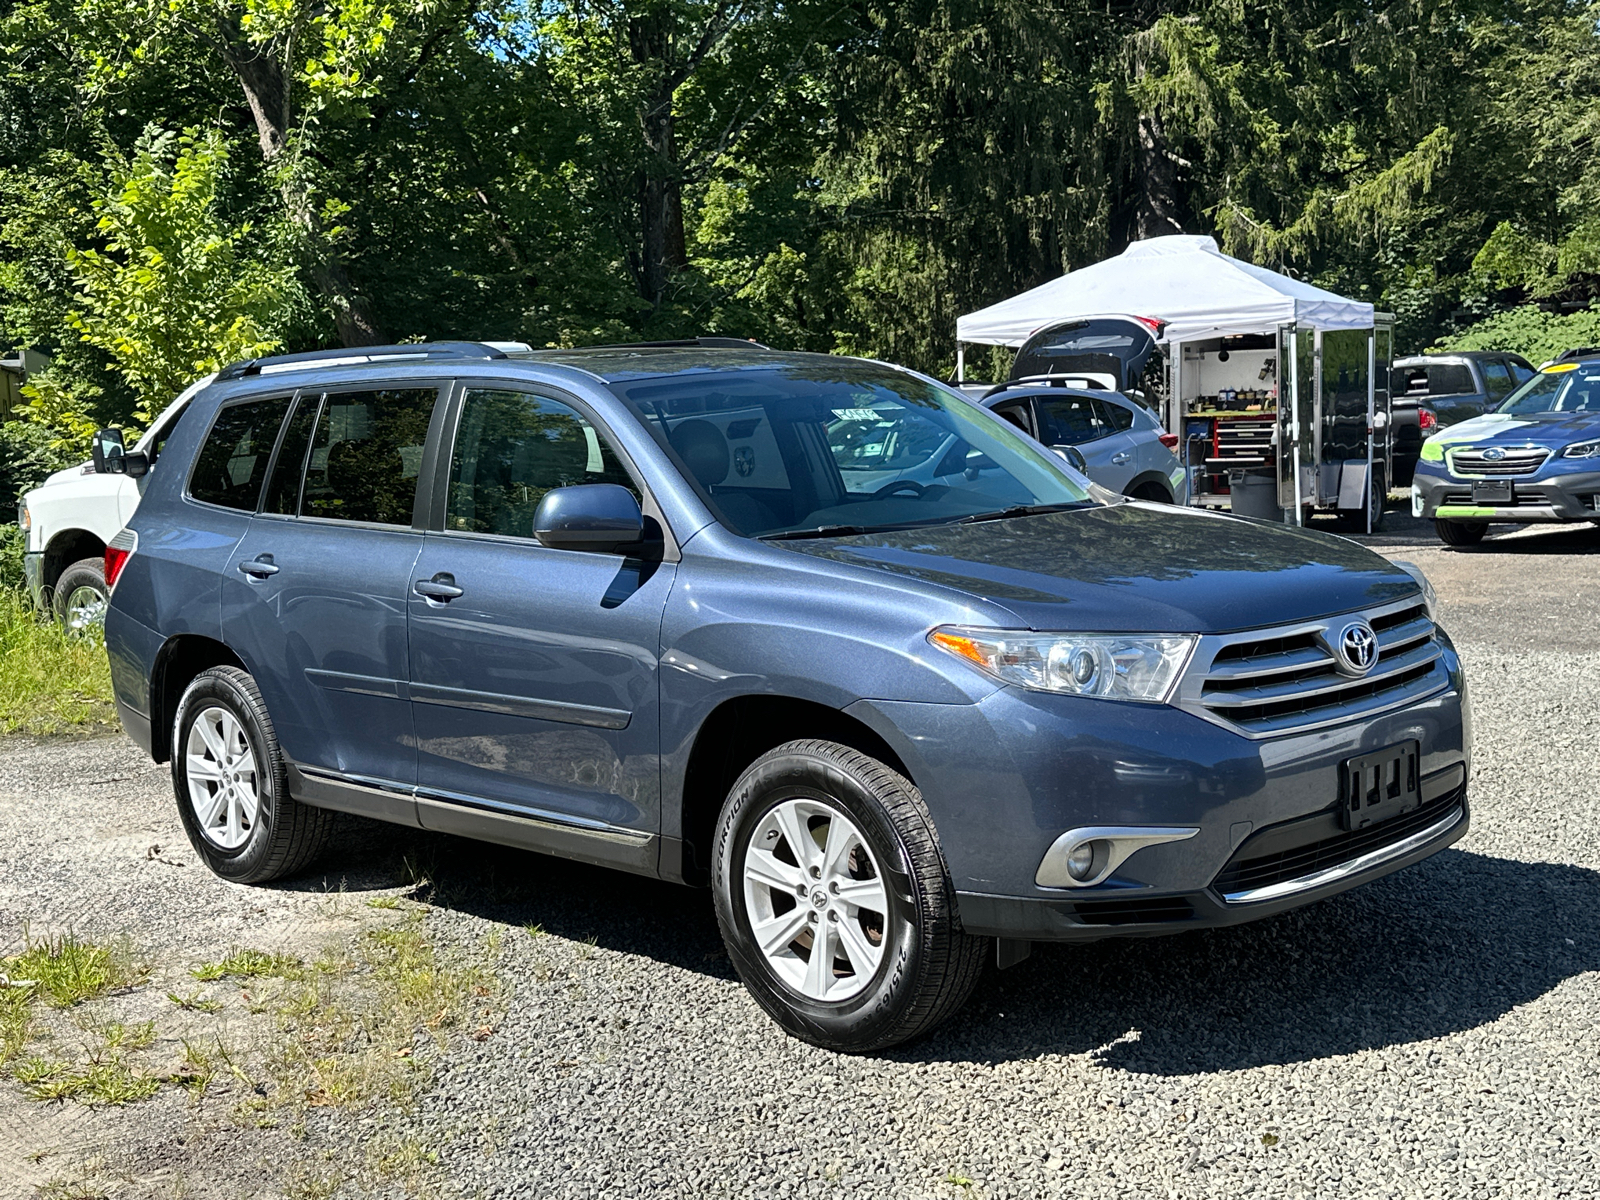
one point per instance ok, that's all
(1145, 479)
(176, 664)
(63, 549)
(731, 737)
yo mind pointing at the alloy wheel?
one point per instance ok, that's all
(223, 784)
(816, 899)
(86, 608)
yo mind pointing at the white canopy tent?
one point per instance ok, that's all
(1186, 281)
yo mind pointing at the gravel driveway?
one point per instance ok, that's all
(1436, 1033)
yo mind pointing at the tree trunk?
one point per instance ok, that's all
(1157, 211)
(267, 92)
(660, 187)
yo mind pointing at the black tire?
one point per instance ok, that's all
(287, 835)
(929, 967)
(1153, 492)
(85, 574)
(1461, 533)
(1378, 495)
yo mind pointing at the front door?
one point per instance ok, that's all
(314, 597)
(533, 671)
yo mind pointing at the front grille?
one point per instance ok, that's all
(1521, 460)
(1523, 499)
(1320, 849)
(1133, 912)
(1278, 681)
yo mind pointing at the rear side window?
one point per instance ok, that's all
(283, 492)
(233, 461)
(1115, 416)
(366, 453)
(1435, 379)
(512, 448)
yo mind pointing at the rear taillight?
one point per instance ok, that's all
(1426, 421)
(118, 553)
(1169, 440)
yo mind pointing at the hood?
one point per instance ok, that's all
(1554, 430)
(1134, 568)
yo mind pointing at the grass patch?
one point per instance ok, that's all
(50, 681)
(248, 964)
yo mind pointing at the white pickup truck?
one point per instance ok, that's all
(69, 518)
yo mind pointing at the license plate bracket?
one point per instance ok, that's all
(1491, 491)
(1379, 785)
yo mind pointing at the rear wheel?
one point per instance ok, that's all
(1151, 491)
(1461, 533)
(834, 900)
(81, 595)
(232, 786)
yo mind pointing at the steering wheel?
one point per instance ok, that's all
(890, 489)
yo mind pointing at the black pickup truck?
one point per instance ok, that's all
(1432, 391)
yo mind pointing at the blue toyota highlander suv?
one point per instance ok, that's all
(636, 606)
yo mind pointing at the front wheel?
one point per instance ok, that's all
(232, 785)
(1461, 533)
(81, 595)
(834, 900)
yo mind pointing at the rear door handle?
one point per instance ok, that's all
(1120, 457)
(260, 567)
(440, 589)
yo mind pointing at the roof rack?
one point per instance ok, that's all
(701, 343)
(351, 356)
(1077, 383)
(1576, 352)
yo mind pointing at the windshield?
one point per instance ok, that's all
(1563, 388)
(844, 447)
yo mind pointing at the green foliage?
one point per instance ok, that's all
(50, 681)
(1529, 331)
(175, 294)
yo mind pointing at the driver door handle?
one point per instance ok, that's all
(441, 589)
(260, 567)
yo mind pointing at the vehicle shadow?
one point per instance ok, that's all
(1448, 945)
(1533, 540)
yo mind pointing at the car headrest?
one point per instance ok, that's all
(703, 449)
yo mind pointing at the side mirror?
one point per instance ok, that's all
(598, 517)
(1074, 458)
(108, 452)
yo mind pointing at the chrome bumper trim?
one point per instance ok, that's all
(1373, 858)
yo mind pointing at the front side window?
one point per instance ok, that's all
(1566, 387)
(1496, 379)
(233, 461)
(512, 448)
(797, 449)
(366, 454)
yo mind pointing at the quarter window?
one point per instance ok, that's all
(233, 462)
(366, 454)
(512, 448)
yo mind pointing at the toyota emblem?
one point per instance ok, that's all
(1494, 453)
(1358, 648)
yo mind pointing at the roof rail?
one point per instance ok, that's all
(1077, 383)
(703, 343)
(350, 356)
(1576, 352)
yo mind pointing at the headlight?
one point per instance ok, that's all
(1582, 450)
(1430, 598)
(1114, 666)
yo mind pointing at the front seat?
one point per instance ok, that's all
(704, 451)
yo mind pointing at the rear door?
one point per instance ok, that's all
(535, 684)
(1082, 421)
(314, 599)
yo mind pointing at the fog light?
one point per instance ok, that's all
(1080, 863)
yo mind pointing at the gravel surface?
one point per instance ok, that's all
(1431, 1034)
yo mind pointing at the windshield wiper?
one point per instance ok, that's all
(821, 531)
(1023, 510)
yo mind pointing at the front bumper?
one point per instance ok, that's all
(1572, 496)
(1004, 778)
(33, 574)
